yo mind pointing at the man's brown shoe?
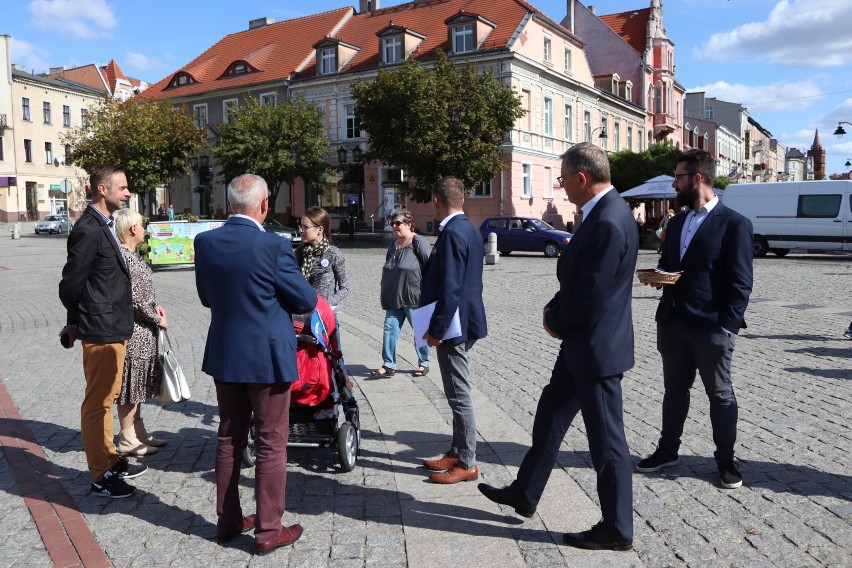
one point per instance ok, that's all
(287, 535)
(248, 524)
(455, 474)
(442, 463)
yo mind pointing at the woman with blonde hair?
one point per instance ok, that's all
(143, 371)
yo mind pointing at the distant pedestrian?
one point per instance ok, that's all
(848, 332)
(161, 213)
(700, 315)
(95, 290)
(171, 212)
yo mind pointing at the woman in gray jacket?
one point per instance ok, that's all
(400, 290)
(321, 262)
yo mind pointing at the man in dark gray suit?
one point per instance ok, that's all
(591, 314)
(95, 290)
(699, 316)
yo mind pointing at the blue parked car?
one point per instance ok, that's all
(525, 234)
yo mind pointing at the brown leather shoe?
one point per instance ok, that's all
(442, 463)
(287, 535)
(248, 524)
(455, 474)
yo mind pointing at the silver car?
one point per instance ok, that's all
(289, 233)
(53, 224)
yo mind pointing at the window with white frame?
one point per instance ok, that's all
(28, 150)
(616, 135)
(569, 117)
(463, 38)
(628, 91)
(548, 49)
(200, 114)
(587, 126)
(25, 108)
(328, 60)
(567, 59)
(708, 112)
(548, 180)
(526, 180)
(604, 121)
(392, 49)
(548, 117)
(48, 152)
(68, 154)
(46, 112)
(482, 190)
(630, 138)
(84, 118)
(268, 99)
(353, 126)
(229, 109)
(66, 116)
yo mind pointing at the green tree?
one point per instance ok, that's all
(434, 123)
(629, 169)
(721, 182)
(151, 141)
(279, 143)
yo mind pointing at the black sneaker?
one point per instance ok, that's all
(658, 460)
(729, 475)
(112, 486)
(848, 333)
(126, 470)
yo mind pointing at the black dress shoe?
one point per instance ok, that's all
(596, 538)
(506, 496)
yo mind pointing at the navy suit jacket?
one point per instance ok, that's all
(453, 279)
(716, 282)
(250, 281)
(592, 309)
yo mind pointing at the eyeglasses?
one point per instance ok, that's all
(561, 179)
(306, 227)
(398, 223)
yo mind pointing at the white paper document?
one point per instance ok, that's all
(420, 319)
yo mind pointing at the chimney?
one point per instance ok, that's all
(369, 6)
(56, 70)
(593, 11)
(260, 22)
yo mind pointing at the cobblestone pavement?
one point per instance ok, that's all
(791, 373)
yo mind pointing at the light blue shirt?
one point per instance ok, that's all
(692, 222)
(241, 216)
(447, 219)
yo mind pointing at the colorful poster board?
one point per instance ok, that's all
(173, 242)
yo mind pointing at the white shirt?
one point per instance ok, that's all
(447, 219)
(590, 204)
(692, 222)
(240, 215)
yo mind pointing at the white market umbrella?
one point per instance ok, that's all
(659, 187)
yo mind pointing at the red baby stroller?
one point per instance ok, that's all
(323, 412)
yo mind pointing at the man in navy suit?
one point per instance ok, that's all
(699, 316)
(250, 281)
(453, 280)
(591, 314)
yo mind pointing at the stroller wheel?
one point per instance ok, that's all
(250, 453)
(347, 446)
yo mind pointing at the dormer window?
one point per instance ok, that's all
(392, 49)
(238, 68)
(328, 61)
(463, 38)
(181, 79)
(548, 49)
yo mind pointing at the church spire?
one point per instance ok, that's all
(816, 143)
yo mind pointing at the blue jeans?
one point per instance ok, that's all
(393, 323)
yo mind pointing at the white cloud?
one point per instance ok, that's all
(765, 98)
(29, 55)
(83, 19)
(797, 33)
(141, 61)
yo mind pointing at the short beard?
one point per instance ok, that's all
(688, 196)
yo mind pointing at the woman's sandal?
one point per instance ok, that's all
(383, 372)
(421, 371)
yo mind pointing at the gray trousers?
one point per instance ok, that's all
(453, 362)
(709, 352)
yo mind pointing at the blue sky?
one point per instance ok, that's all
(787, 61)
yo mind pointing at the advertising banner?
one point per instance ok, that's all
(173, 242)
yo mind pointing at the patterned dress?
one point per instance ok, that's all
(142, 369)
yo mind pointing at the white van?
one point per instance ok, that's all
(813, 215)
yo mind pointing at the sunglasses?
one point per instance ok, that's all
(398, 223)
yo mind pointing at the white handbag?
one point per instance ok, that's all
(174, 387)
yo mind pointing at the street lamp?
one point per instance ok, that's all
(840, 131)
(201, 165)
(848, 163)
(602, 135)
(341, 155)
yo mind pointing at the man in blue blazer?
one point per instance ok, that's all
(453, 280)
(591, 315)
(250, 281)
(699, 316)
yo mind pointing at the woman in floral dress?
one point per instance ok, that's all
(142, 368)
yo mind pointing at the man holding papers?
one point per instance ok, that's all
(453, 281)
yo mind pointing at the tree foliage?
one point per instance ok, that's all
(434, 123)
(279, 143)
(629, 169)
(151, 141)
(721, 182)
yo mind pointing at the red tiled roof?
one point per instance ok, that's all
(275, 51)
(89, 75)
(632, 26)
(427, 17)
(113, 72)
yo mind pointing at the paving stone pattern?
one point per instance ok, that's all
(791, 374)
